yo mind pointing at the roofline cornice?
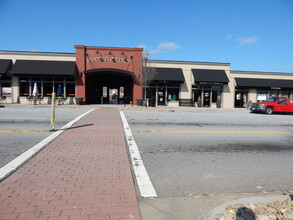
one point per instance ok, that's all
(259, 73)
(36, 53)
(110, 48)
(189, 62)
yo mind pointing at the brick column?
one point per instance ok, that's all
(80, 78)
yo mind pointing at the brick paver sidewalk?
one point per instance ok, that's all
(83, 174)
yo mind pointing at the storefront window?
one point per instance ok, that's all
(105, 91)
(261, 97)
(173, 94)
(285, 94)
(121, 92)
(214, 96)
(59, 80)
(6, 91)
(24, 89)
(70, 89)
(269, 93)
(36, 79)
(5, 87)
(59, 88)
(47, 88)
(47, 79)
(273, 94)
(151, 95)
(38, 88)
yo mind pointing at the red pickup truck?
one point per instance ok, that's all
(271, 105)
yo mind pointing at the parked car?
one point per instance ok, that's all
(274, 104)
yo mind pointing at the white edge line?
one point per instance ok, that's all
(13, 165)
(143, 180)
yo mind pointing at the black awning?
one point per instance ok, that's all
(168, 74)
(215, 76)
(41, 67)
(5, 65)
(263, 83)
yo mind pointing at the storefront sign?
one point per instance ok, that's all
(105, 59)
(276, 88)
(210, 83)
(6, 91)
(261, 97)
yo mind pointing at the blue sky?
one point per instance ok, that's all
(250, 34)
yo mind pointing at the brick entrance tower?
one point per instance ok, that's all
(127, 61)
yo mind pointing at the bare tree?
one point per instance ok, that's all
(148, 73)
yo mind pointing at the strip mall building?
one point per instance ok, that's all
(108, 75)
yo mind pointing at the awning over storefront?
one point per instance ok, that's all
(263, 83)
(169, 74)
(40, 67)
(5, 65)
(210, 76)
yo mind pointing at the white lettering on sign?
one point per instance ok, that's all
(114, 59)
(275, 88)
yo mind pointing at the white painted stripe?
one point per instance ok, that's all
(143, 180)
(27, 155)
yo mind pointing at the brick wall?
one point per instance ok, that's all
(124, 59)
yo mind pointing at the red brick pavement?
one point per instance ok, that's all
(84, 174)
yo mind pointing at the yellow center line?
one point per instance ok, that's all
(215, 132)
(21, 131)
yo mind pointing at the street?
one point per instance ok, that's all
(197, 159)
(189, 153)
(22, 127)
(186, 152)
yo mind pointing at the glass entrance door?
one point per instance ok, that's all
(197, 98)
(113, 96)
(207, 98)
(240, 99)
(161, 96)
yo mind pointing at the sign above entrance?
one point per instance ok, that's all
(210, 83)
(113, 59)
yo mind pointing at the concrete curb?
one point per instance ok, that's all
(143, 180)
(12, 166)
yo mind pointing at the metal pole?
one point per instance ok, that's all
(53, 112)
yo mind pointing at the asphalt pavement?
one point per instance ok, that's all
(195, 153)
(197, 159)
(201, 160)
(23, 126)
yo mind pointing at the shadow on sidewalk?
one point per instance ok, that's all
(79, 126)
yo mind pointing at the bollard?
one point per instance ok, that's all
(53, 112)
